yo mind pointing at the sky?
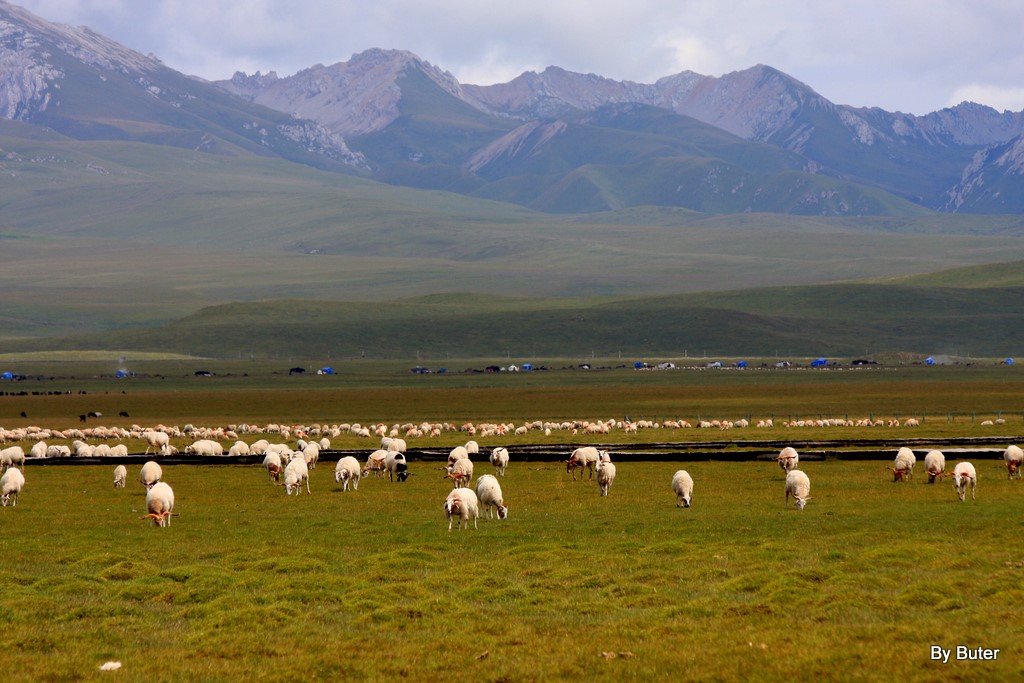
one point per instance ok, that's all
(912, 56)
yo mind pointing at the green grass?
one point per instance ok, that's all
(249, 584)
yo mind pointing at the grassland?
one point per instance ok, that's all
(249, 584)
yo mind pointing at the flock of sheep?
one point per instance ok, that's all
(463, 503)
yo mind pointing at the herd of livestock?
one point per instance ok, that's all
(291, 467)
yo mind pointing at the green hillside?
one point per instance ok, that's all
(830, 320)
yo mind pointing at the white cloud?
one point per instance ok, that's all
(1000, 98)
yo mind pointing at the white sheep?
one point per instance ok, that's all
(119, 450)
(38, 450)
(396, 466)
(458, 453)
(788, 459)
(462, 503)
(120, 476)
(155, 440)
(273, 465)
(11, 484)
(347, 472)
(964, 475)
(903, 465)
(160, 503)
(605, 474)
(489, 495)
(13, 456)
(205, 447)
(295, 474)
(583, 458)
(1013, 456)
(150, 473)
(311, 452)
(934, 465)
(798, 484)
(472, 448)
(499, 459)
(460, 472)
(238, 448)
(682, 485)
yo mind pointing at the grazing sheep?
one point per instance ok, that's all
(120, 476)
(205, 447)
(462, 503)
(311, 452)
(903, 465)
(38, 450)
(12, 457)
(396, 466)
(10, 486)
(155, 440)
(605, 474)
(1013, 456)
(238, 448)
(119, 450)
(499, 459)
(160, 503)
(272, 463)
(799, 485)
(682, 485)
(295, 474)
(788, 459)
(488, 493)
(150, 474)
(583, 458)
(934, 464)
(472, 448)
(375, 463)
(347, 472)
(458, 453)
(460, 472)
(964, 476)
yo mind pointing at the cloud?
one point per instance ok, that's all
(1001, 98)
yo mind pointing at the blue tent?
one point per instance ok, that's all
(819, 362)
(527, 367)
(327, 371)
(1008, 361)
(742, 364)
(7, 375)
(121, 373)
(639, 365)
(929, 361)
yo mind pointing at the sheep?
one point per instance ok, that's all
(347, 472)
(964, 475)
(499, 459)
(583, 458)
(396, 466)
(460, 472)
(12, 457)
(375, 463)
(788, 459)
(38, 450)
(934, 464)
(799, 485)
(472, 448)
(682, 485)
(458, 453)
(311, 452)
(238, 448)
(156, 440)
(294, 474)
(272, 463)
(463, 503)
(10, 486)
(58, 452)
(488, 493)
(120, 476)
(1013, 456)
(119, 450)
(205, 447)
(150, 474)
(160, 504)
(903, 465)
(605, 474)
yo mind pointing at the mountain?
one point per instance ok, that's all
(993, 182)
(84, 86)
(375, 98)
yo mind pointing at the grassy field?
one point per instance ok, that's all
(248, 584)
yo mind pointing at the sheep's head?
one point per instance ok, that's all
(1013, 466)
(898, 474)
(571, 464)
(686, 501)
(801, 502)
(502, 511)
